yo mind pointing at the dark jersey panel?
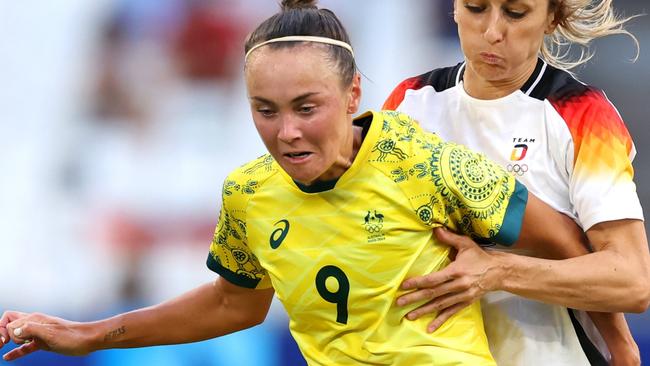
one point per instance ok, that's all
(439, 79)
(557, 86)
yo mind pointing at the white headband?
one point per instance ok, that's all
(302, 39)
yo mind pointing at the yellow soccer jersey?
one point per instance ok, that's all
(337, 253)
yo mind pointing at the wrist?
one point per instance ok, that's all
(84, 338)
(96, 335)
(624, 350)
(501, 269)
(629, 356)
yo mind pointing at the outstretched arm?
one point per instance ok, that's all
(208, 311)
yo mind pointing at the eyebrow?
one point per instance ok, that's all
(294, 100)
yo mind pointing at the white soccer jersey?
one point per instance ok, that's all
(566, 142)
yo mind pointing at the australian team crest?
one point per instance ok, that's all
(373, 222)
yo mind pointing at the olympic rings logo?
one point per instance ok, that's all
(517, 169)
(373, 228)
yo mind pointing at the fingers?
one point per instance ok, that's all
(453, 240)
(15, 331)
(445, 314)
(431, 280)
(440, 303)
(22, 331)
(8, 317)
(21, 351)
(430, 288)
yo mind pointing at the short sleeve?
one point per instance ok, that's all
(230, 256)
(396, 97)
(479, 197)
(601, 174)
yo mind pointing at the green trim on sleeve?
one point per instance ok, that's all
(235, 278)
(514, 217)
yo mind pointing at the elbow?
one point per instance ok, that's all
(636, 295)
(644, 290)
(244, 320)
(250, 322)
(248, 319)
(254, 319)
(642, 299)
(640, 305)
(258, 321)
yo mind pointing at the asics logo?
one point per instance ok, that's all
(278, 235)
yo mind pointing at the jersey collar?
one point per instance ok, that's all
(372, 123)
(528, 86)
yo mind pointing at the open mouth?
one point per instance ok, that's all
(297, 155)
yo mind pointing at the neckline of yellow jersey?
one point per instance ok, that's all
(359, 160)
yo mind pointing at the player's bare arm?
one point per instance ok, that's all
(475, 272)
(208, 311)
(616, 277)
(618, 337)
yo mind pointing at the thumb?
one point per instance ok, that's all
(454, 240)
(23, 350)
(26, 332)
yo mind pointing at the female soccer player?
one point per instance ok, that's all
(332, 220)
(513, 99)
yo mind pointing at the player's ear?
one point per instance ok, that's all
(354, 93)
(551, 22)
(554, 16)
(455, 11)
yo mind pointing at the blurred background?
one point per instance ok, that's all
(119, 120)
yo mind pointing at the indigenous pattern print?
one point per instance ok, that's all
(264, 162)
(227, 254)
(336, 254)
(470, 186)
(478, 180)
(388, 147)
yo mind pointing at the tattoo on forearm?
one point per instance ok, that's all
(114, 333)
